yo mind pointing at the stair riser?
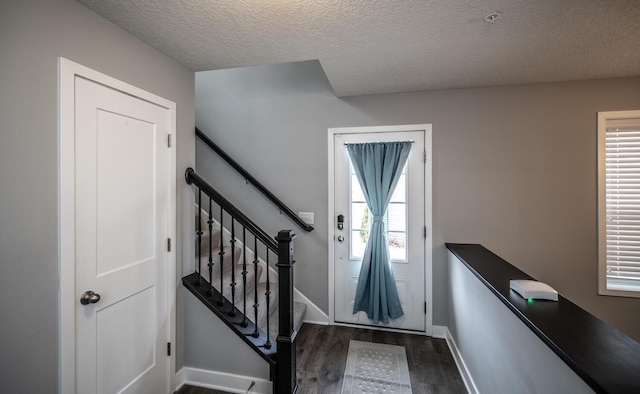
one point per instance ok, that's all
(239, 288)
(215, 245)
(228, 257)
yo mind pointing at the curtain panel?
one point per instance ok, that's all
(378, 167)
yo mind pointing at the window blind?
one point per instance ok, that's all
(622, 182)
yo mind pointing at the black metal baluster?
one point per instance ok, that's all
(244, 278)
(199, 233)
(232, 312)
(255, 334)
(210, 222)
(267, 344)
(221, 254)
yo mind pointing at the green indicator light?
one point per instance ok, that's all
(530, 299)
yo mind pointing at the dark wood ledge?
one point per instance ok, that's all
(605, 358)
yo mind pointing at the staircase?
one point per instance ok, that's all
(238, 268)
(245, 277)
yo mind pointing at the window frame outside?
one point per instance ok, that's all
(603, 285)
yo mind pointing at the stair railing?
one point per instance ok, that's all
(251, 179)
(280, 355)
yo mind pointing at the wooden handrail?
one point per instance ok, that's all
(193, 178)
(261, 188)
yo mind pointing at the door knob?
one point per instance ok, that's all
(89, 297)
(340, 238)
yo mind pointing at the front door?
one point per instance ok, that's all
(404, 224)
(122, 222)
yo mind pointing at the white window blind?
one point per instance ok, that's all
(622, 205)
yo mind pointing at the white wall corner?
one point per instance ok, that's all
(462, 367)
(222, 381)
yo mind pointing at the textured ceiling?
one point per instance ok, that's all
(371, 47)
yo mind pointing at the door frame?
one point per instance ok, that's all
(428, 251)
(67, 72)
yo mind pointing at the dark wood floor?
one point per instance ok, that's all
(322, 356)
(197, 390)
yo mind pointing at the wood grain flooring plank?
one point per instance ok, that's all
(186, 389)
(321, 354)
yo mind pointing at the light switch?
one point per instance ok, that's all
(307, 217)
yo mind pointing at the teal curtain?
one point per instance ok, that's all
(378, 167)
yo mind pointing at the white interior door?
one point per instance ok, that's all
(122, 222)
(404, 224)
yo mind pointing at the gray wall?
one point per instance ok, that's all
(500, 352)
(32, 35)
(210, 345)
(514, 168)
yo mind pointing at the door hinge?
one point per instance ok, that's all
(425, 308)
(169, 141)
(168, 244)
(168, 348)
(425, 156)
(425, 232)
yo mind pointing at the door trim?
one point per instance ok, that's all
(67, 72)
(428, 252)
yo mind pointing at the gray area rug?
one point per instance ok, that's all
(376, 368)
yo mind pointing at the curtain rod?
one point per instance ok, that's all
(354, 143)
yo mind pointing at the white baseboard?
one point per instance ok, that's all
(222, 381)
(178, 380)
(440, 332)
(239, 384)
(462, 367)
(314, 315)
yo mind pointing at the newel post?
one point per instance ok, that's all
(285, 379)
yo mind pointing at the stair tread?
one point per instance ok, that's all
(215, 247)
(204, 293)
(299, 308)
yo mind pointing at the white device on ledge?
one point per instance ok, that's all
(532, 289)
